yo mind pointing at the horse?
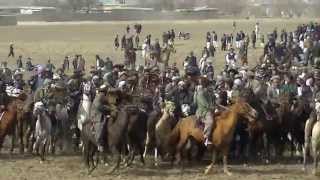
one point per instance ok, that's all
(43, 130)
(222, 133)
(83, 113)
(315, 144)
(130, 134)
(266, 130)
(315, 140)
(10, 118)
(162, 130)
(63, 125)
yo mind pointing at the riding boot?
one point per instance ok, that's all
(208, 123)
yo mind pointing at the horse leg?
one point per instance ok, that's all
(140, 148)
(43, 150)
(118, 151)
(156, 157)
(179, 149)
(20, 134)
(146, 145)
(13, 141)
(225, 161)
(213, 162)
(315, 160)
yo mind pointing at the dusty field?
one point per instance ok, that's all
(42, 41)
(55, 40)
(71, 168)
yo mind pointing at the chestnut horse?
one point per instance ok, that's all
(222, 134)
(10, 118)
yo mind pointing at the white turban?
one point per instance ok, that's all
(237, 82)
(122, 84)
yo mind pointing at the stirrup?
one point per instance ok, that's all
(207, 142)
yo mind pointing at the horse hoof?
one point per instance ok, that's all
(267, 161)
(41, 162)
(228, 173)
(208, 169)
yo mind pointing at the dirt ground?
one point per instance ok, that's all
(71, 168)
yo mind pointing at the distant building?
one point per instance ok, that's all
(15, 10)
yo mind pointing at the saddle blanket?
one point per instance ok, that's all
(12, 91)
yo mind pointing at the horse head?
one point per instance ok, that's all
(38, 108)
(244, 109)
(169, 108)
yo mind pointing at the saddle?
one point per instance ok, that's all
(12, 91)
(132, 109)
(199, 124)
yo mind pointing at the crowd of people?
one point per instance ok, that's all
(290, 64)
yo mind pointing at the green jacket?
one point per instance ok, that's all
(290, 89)
(204, 101)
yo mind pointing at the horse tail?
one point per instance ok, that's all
(174, 136)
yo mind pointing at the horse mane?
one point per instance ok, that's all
(226, 113)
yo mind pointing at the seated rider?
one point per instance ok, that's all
(204, 100)
(4, 98)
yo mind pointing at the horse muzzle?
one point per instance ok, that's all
(252, 115)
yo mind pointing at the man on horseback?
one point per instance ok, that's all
(4, 98)
(204, 100)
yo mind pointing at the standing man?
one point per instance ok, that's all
(253, 39)
(234, 25)
(11, 50)
(116, 42)
(257, 29)
(66, 63)
(19, 62)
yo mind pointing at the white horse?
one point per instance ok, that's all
(84, 110)
(315, 141)
(43, 130)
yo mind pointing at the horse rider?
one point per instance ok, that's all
(6, 73)
(18, 81)
(273, 93)
(42, 93)
(101, 110)
(4, 98)
(184, 99)
(204, 100)
(236, 88)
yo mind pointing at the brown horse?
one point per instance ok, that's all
(222, 134)
(10, 118)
